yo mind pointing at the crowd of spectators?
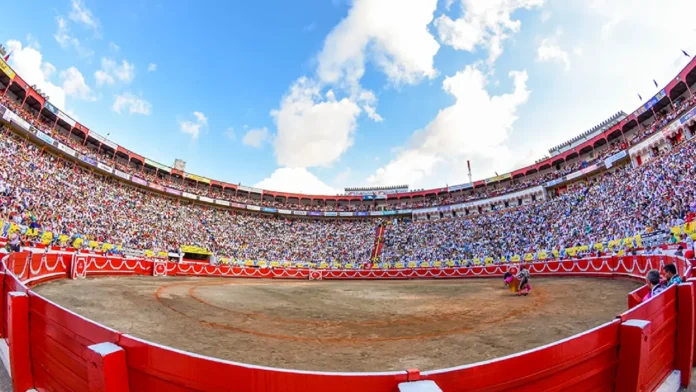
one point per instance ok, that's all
(41, 192)
(103, 154)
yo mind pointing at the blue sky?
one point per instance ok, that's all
(314, 96)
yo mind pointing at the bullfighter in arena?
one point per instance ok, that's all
(523, 277)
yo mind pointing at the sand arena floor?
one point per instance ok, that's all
(344, 326)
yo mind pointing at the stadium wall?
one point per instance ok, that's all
(48, 347)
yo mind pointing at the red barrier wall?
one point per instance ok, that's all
(61, 341)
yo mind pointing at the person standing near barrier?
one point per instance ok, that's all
(523, 276)
(652, 279)
(670, 271)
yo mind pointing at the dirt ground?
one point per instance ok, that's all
(344, 326)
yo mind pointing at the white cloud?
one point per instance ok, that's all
(256, 137)
(483, 23)
(394, 33)
(295, 180)
(193, 128)
(113, 47)
(475, 127)
(28, 62)
(550, 51)
(66, 40)
(111, 71)
(74, 84)
(132, 104)
(82, 15)
(317, 117)
(313, 129)
(152, 67)
(545, 16)
(201, 118)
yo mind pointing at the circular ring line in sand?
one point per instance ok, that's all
(539, 300)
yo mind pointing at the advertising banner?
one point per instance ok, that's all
(66, 149)
(285, 212)
(6, 69)
(688, 116)
(573, 175)
(376, 213)
(197, 178)
(238, 205)
(66, 118)
(222, 202)
(346, 214)
(249, 189)
(268, 209)
(44, 137)
(138, 180)
(498, 178)
(205, 199)
(609, 161)
(330, 213)
(121, 174)
(155, 186)
(189, 195)
(253, 208)
(460, 187)
(300, 213)
(87, 159)
(405, 211)
(7, 115)
(555, 182)
(157, 165)
(362, 213)
(392, 212)
(105, 167)
(103, 140)
(173, 191)
(22, 123)
(652, 102)
(375, 197)
(51, 108)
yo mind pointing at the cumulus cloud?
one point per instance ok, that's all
(193, 128)
(132, 104)
(317, 118)
(256, 137)
(483, 23)
(394, 33)
(82, 15)
(475, 127)
(111, 71)
(152, 67)
(295, 180)
(549, 50)
(28, 62)
(314, 129)
(74, 84)
(65, 39)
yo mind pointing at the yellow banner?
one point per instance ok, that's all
(6, 69)
(498, 178)
(198, 178)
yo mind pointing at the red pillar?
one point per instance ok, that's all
(85, 141)
(634, 352)
(10, 84)
(18, 341)
(55, 123)
(685, 332)
(25, 100)
(107, 370)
